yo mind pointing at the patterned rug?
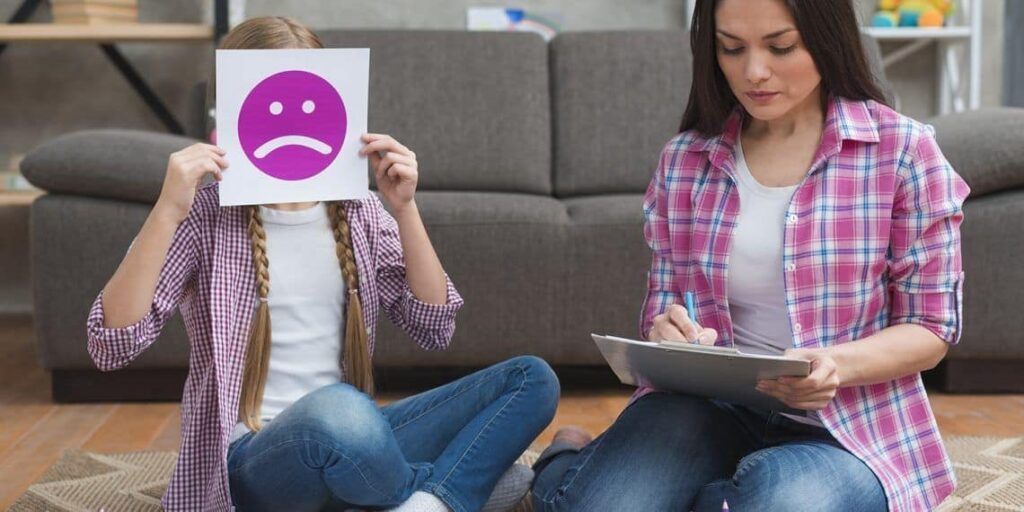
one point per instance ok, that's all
(990, 472)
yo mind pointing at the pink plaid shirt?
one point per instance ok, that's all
(208, 273)
(871, 240)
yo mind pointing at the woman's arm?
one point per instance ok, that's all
(925, 288)
(887, 355)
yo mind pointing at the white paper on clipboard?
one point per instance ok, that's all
(714, 372)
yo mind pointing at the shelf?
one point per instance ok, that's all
(908, 33)
(128, 32)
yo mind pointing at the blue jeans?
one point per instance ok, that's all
(672, 452)
(334, 449)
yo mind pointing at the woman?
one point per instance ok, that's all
(809, 219)
(283, 411)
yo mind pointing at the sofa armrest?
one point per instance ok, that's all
(119, 164)
(985, 146)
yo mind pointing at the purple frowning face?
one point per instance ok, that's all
(292, 125)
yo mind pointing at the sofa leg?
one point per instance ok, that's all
(142, 385)
(977, 376)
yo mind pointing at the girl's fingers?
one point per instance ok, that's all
(375, 159)
(395, 158)
(210, 147)
(392, 159)
(400, 170)
(384, 143)
(219, 160)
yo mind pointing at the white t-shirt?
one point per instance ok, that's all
(306, 300)
(757, 296)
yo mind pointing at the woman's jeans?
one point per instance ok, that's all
(672, 452)
(335, 449)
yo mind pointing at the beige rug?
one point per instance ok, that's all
(990, 473)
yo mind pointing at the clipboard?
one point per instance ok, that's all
(723, 373)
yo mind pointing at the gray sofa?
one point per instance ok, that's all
(534, 158)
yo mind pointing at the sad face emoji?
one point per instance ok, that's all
(292, 125)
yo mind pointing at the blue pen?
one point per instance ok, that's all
(690, 309)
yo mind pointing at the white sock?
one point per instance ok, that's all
(422, 502)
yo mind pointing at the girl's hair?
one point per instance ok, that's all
(829, 31)
(274, 33)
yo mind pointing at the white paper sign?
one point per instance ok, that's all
(290, 122)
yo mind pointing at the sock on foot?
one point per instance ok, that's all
(421, 501)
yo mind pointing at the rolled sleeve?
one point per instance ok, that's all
(926, 275)
(431, 326)
(434, 324)
(111, 347)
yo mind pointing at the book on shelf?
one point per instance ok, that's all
(120, 3)
(94, 12)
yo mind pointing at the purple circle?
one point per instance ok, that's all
(292, 125)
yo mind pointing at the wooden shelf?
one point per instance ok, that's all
(906, 33)
(48, 32)
(18, 197)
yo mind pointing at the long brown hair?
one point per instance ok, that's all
(829, 31)
(274, 33)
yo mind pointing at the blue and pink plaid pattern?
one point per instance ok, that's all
(872, 239)
(208, 273)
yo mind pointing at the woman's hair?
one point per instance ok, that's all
(274, 33)
(829, 31)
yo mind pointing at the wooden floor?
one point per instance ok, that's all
(34, 431)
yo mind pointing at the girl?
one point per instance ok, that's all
(279, 415)
(809, 219)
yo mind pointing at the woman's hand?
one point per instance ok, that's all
(810, 393)
(394, 167)
(675, 325)
(185, 171)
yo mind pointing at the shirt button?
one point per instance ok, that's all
(792, 218)
(790, 267)
(797, 328)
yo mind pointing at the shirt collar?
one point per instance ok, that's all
(844, 120)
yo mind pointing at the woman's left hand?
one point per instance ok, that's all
(810, 393)
(394, 167)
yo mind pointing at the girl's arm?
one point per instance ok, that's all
(145, 289)
(396, 171)
(422, 268)
(415, 292)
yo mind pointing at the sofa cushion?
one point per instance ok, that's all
(116, 164)
(473, 105)
(617, 98)
(538, 276)
(985, 146)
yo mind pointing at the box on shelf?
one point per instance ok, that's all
(95, 12)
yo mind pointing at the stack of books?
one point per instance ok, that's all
(95, 12)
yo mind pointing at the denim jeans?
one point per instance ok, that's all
(673, 452)
(335, 449)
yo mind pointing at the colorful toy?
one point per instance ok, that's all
(886, 19)
(912, 13)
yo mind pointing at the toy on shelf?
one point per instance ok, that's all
(912, 13)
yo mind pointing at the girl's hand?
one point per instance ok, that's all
(394, 167)
(675, 325)
(810, 393)
(185, 171)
